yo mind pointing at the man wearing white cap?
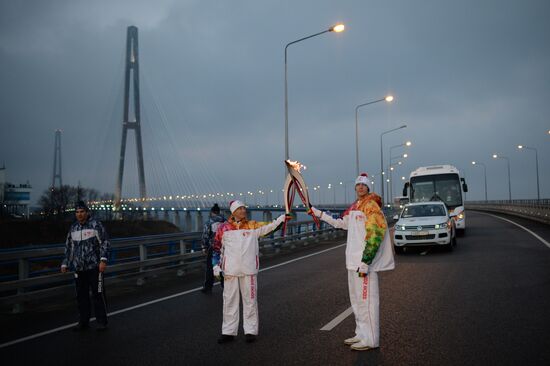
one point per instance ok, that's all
(368, 250)
(237, 242)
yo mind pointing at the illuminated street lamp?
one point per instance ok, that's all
(337, 29)
(406, 144)
(484, 174)
(495, 156)
(521, 147)
(388, 98)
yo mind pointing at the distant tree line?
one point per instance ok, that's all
(56, 201)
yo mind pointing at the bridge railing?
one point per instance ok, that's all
(139, 258)
(538, 210)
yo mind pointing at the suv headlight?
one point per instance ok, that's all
(441, 226)
(399, 227)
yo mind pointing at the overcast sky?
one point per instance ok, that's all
(470, 78)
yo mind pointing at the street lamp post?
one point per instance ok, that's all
(336, 28)
(388, 99)
(484, 175)
(495, 156)
(521, 147)
(382, 159)
(331, 187)
(390, 170)
(407, 144)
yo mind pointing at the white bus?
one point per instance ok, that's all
(439, 183)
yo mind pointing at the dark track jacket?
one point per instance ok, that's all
(86, 246)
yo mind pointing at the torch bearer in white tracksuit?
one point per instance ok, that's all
(363, 216)
(238, 243)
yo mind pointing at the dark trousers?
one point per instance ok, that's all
(209, 271)
(86, 281)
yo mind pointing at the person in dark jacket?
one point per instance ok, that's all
(86, 253)
(208, 232)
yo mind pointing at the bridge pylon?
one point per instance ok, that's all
(132, 116)
(57, 160)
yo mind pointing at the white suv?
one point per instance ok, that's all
(424, 223)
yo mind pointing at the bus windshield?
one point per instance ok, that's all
(443, 187)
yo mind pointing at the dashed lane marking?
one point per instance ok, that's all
(340, 318)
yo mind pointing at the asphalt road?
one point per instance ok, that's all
(486, 303)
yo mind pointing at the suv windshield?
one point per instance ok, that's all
(423, 211)
(441, 187)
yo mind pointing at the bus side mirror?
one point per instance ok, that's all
(464, 185)
(405, 189)
(452, 214)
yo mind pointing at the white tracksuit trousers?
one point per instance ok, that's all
(234, 286)
(365, 301)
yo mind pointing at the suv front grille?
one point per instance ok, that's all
(423, 227)
(420, 237)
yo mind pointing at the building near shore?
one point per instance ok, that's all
(14, 199)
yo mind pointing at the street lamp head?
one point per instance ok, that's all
(520, 147)
(495, 156)
(405, 155)
(408, 143)
(403, 126)
(473, 163)
(337, 28)
(389, 98)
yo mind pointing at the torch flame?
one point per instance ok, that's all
(296, 165)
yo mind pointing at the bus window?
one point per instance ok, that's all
(444, 187)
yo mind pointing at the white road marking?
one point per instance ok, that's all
(340, 318)
(518, 225)
(67, 326)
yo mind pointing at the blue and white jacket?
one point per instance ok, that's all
(86, 245)
(210, 228)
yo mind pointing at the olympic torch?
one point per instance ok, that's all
(295, 183)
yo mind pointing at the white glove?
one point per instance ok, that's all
(363, 268)
(217, 270)
(316, 212)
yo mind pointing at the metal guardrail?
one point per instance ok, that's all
(27, 288)
(537, 210)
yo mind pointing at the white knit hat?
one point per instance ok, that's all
(364, 179)
(233, 205)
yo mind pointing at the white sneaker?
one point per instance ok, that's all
(360, 346)
(352, 340)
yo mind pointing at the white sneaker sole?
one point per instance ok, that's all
(351, 341)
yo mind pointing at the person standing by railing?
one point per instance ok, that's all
(368, 250)
(208, 233)
(237, 242)
(86, 253)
